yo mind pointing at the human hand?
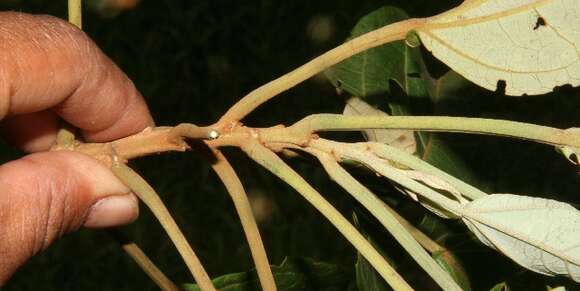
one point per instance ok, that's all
(50, 70)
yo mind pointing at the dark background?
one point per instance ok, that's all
(194, 59)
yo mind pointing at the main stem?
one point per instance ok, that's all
(389, 33)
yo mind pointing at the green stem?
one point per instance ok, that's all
(401, 157)
(75, 12)
(274, 164)
(377, 208)
(65, 137)
(386, 34)
(348, 151)
(425, 241)
(526, 131)
(144, 262)
(148, 195)
(236, 190)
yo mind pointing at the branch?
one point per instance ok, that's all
(401, 157)
(148, 195)
(349, 151)
(274, 164)
(143, 261)
(236, 190)
(520, 130)
(378, 209)
(389, 33)
(147, 142)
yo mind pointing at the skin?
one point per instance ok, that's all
(51, 71)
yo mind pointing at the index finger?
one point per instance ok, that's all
(46, 63)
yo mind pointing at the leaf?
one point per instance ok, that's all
(532, 45)
(434, 227)
(503, 286)
(434, 149)
(294, 274)
(449, 262)
(540, 234)
(451, 94)
(368, 73)
(367, 278)
(401, 139)
(437, 184)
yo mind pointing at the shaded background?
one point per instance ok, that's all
(194, 59)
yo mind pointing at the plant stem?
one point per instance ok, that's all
(425, 241)
(147, 142)
(75, 12)
(148, 195)
(188, 130)
(526, 131)
(377, 208)
(348, 151)
(144, 262)
(401, 157)
(274, 164)
(65, 137)
(389, 33)
(236, 190)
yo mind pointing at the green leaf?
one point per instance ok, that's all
(449, 262)
(447, 87)
(369, 73)
(503, 286)
(367, 278)
(294, 274)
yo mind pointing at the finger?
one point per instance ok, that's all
(46, 195)
(32, 132)
(47, 62)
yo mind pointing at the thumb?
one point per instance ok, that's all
(45, 195)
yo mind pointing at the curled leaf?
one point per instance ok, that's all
(531, 45)
(540, 234)
(401, 139)
(438, 184)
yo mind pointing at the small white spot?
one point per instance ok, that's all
(213, 134)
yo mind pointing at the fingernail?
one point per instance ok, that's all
(113, 211)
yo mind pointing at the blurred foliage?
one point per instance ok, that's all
(294, 274)
(194, 59)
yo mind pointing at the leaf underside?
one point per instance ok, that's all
(540, 234)
(531, 45)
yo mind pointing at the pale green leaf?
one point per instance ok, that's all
(540, 234)
(532, 45)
